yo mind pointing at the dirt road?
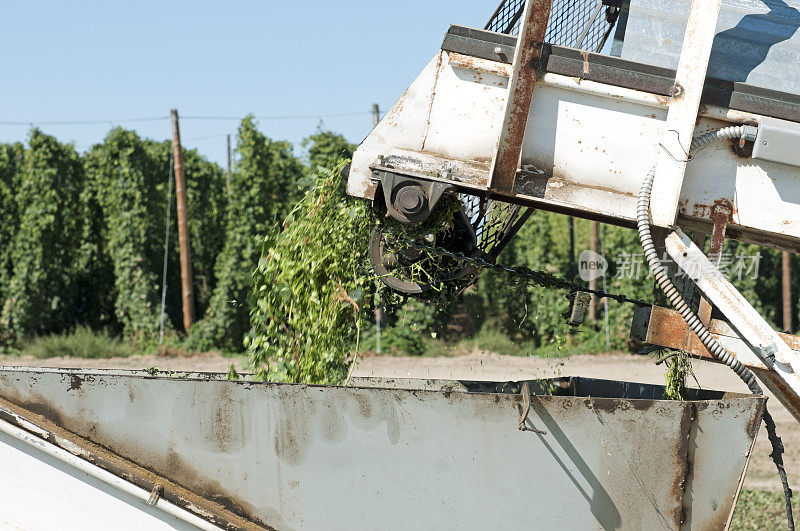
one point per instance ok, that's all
(483, 366)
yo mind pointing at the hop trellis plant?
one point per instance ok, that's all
(311, 287)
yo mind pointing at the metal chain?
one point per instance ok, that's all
(541, 278)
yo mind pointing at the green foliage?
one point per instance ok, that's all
(678, 368)
(528, 312)
(129, 186)
(310, 286)
(761, 509)
(232, 374)
(327, 147)
(82, 244)
(82, 342)
(264, 187)
(44, 250)
(11, 158)
(412, 325)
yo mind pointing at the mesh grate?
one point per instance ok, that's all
(583, 24)
(506, 17)
(490, 219)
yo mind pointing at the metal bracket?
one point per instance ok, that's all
(526, 408)
(777, 141)
(410, 200)
(579, 305)
(155, 494)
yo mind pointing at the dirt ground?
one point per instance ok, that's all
(484, 366)
(209, 362)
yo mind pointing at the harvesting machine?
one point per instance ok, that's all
(672, 117)
(543, 109)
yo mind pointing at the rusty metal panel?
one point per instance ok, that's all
(431, 456)
(666, 328)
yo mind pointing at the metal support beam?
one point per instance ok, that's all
(666, 328)
(663, 327)
(690, 77)
(524, 73)
(770, 348)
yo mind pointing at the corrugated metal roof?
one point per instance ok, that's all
(757, 41)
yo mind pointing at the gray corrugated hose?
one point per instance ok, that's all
(688, 315)
(660, 274)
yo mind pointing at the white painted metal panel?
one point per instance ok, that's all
(587, 147)
(467, 131)
(306, 457)
(672, 156)
(404, 126)
(37, 491)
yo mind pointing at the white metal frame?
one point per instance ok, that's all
(587, 146)
(679, 127)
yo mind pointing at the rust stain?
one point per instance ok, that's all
(681, 460)
(75, 382)
(610, 405)
(665, 328)
(779, 387)
(662, 100)
(721, 215)
(755, 420)
(724, 207)
(478, 65)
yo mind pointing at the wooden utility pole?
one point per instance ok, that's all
(228, 172)
(787, 292)
(594, 239)
(573, 265)
(183, 230)
(376, 114)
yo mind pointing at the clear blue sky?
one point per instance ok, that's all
(91, 60)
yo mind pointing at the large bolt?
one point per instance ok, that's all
(410, 200)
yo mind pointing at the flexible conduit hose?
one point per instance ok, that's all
(660, 274)
(688, 315)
